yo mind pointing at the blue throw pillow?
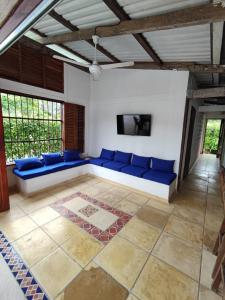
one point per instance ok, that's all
(28, 163)
(71, 155)
(140, 161)
(122, 157)
(107, 154)
(52, 158)
(162, 165)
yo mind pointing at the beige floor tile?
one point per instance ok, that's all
(179, 254)
(44, 215)
(195, 186)
(159, 281)
(92, 191)
(208, 261)
(127, 206)
(60, 229)
(109, 198)
(82, 247)
(214, 200)
(214, 219)
(18, 228)
(104, 186)
(55, 272)
(122, 192)
(62, 191)
(206, 294)
(34, 246)
(137, 198)
(94, 284)
(187, 231)
(213, 190)
(122, 260)
(190, 214)
(168, 208)
(209, 239)
(132, 297)
(11, 215)
(153, 216)
(140, 233)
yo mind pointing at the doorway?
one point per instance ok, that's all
(212, 136)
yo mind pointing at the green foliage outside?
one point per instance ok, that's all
(212, 136)
(31, 126)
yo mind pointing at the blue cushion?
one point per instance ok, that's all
(140, 161)
(107, 154)
(162, 165)
(161, 177)
(49, 169)
(28, 163)
(113, 165)
(123, 157)
(133, 170)
(71, 155)
(52, 158)
(98, 161)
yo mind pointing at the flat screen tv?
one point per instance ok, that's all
(134, 124)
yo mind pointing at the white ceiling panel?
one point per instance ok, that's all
(182, 44)
(125, 48)
(143, 8)
(87, 50)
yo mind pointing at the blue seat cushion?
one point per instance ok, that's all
(98, 161)
(107, 154)
(28, 163)
(71, 155)
(133, 170)
(44, 170)
(114, 165)
(161, 177)
(162, 165)
(52, 158)
(140, 161)
(122, 157)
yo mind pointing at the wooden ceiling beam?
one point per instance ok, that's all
(180, 66)
(202, 14)
(209, 93)
(73, 28)
(123, 16)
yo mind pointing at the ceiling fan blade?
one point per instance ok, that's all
(71, 61)
(117, 65)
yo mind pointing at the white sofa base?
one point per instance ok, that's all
(163, 191)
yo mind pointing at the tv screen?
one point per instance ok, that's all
(134, 125)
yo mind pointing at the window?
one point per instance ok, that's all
(31, 126)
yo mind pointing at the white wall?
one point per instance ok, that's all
(76, 90)
(159, 93)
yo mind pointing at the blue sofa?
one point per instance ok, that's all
(150, 168)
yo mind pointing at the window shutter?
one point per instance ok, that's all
(73, 127)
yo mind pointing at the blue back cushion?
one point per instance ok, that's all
(52, 158)
(162, 165)
(140, 161)
(107, 154)
(28, 163)
(122, 157)
(71, 155)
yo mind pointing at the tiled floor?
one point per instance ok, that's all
(161, 252)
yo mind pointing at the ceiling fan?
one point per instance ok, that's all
(94, 68)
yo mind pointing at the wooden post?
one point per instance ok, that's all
(4, 193)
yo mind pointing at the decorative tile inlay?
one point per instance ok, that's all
(102, 235)
(88, 210)
(23, 276)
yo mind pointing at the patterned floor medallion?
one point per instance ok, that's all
(26, 281)
(97, 218)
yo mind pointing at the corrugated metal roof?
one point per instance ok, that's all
(87, 50)
(142, 8)
(125, 48)
(86, 13)
(182, 44)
